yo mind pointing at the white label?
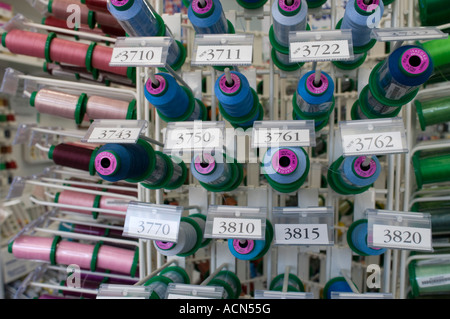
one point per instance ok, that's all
(433, 281)
(237, 227)
(373, 143)
(319, 51)
(193, 138)
(302, 234)
(135, 56)
(401, 237)
(224, 55)
(266, 137)
(140, 226)
(114, 135)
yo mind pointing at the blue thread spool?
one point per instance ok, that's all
(337, 284)
(179, 174)
(318, 124)
(250, 249)
(285, 168)
(396, 80)
(216, 173)
(361, 18)
(130, 162)
(286, 18)
(173, 101)
(314, 101)
(357, 61)
(238, 102)
(161, 174)
(139, 19)
(372, 108)
(353, 175)
(208, 19)
(357, 239)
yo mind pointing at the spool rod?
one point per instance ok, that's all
(176, 76)
(367, 161)
(228, 76)
(210, 277)
(153, 273)
(286, 279)
(152, 77)
(345, 274)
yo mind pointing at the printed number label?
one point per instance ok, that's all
(153, 229)
(378, 143)
(323, 50)
(181, 139)
(268, 137)
(401, 237)
(241, 54)
(108, 134)
(240, 227)
(136, 56)
(307, 234)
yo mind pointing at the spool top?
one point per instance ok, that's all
(202, 10)
(317, 89)
(122, 5)
(228, 89)
(364, 171)
(107, 163)
(243, 246)
(165, 245)
(159, 89)
(284, 161)
(289, 8)
(414, 61)
(366, 7)
(205, 164)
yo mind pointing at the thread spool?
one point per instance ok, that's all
(433, 12)
(353, 64)
(438, 49)
(216, 172)
(99, 107)
(115, 259)
(129, 162)
(429, 277)
(312, 99)
(60, 104)
(287, 17)
(207, 17)
(109, 202)
(318, 123)
(61, 10)
(433, 111)
(27, 43)
(312, 4)
(238, 102)
(230, 282)
(431, 167)
(73, 156)
(439, 211)
(252, 4)
(294, 283)
(179, 174)
(201, 221)
(96, 5)
(99, 59)
(396, 81)
(76, 199)
(353, 175)
(162, 173)
(190, 238)
(139, 19)
(73, 253)
(173, 102)
(285, 168)
(336, 284)
(89, 230)
(159, 284)
(361, 18)
(34, 248)
(357, 239)
(371, 108)
(85, 284)
(251, 249)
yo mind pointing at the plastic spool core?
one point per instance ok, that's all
(164, 245)
(205, 164)
(285, 161)
(232, 87)
(317, 88)
(243, 246)
(364, 171)
(415, 61)
(156, 88)
(202, 6)
(106, 163)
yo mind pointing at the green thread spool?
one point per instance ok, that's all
(434, 12)
(294, 283)
(431, 167)
(440, 214)
(429, 277)
(438, 51)
(433, 111)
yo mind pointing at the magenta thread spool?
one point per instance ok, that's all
(32, 248)
(60, 104)
(100, 107)
(69, 252)
(116, 259)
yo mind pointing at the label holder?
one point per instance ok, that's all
(116, 291)
(407, 34)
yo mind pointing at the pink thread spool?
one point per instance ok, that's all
(101, 57)
(99, 107)
(25, 43)
(32, 248)
(106, 19)
(97, 5)
(61, 10)
(74, 198)
(116, 259)
(73, 253)
(113, 203)
(70, 52)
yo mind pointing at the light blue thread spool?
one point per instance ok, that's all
(357, 239)
(208, 19)
(361, 18)
(288, 18)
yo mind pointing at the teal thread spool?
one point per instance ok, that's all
(431, 167)
(432, 112)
